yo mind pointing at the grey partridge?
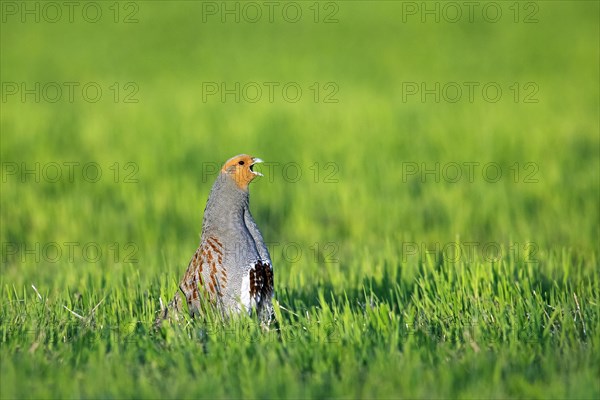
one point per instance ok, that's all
(231, 270)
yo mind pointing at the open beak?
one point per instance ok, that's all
(255, 160)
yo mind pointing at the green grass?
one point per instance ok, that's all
(373, 300)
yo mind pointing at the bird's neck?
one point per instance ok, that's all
(226, 204)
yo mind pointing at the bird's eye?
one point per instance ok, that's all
(241, 163)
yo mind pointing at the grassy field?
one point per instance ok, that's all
(431, 199)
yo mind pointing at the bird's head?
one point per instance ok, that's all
(240, 169)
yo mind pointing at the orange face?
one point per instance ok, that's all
(239, 168)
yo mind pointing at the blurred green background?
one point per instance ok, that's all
(354, 134)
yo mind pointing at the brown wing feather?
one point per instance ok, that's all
(207, 262)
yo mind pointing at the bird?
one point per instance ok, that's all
(231, 270)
